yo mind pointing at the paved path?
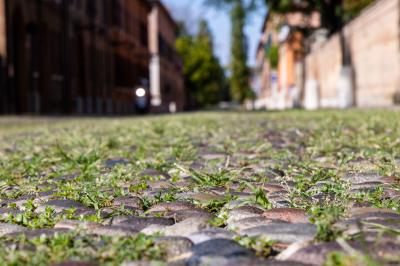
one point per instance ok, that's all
(203, 189)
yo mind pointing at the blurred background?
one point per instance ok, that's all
(103, 57)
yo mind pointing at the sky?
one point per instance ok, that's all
(193, 10)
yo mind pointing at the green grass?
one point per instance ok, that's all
(312, 150)
(61, 247)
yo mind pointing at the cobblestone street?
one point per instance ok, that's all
(223, 188)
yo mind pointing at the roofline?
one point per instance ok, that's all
(165, 10)
(147, 3)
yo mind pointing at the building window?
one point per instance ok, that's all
(91, 8)
(143, 34)
(105, 10)
(167, 89)
(162, 45)
(116, 13)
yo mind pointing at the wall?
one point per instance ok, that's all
(266, 77)
(281, 88)
(75, 57)
(375, 46)
(2, 29)
(3, 54)
(323, 65)
(373, 41)
(166, 80)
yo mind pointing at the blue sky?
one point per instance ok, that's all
(193, 10)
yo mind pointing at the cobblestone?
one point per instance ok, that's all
(290, 215)
(129, 202)
(317, 254)
(10, 228)
(242, 190)
(217, 247)
(60, 205)
(284, 232)
(139, 223)
(211, 233)
(187, 227)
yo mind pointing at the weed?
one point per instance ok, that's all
(262, 246)
(325, 218)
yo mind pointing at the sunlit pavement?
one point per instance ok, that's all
(281, 188)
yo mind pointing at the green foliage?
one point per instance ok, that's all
(333, 13)
(251, 5)
(71, 246)
(311, 151)
(259, 197)
(273, 56)
(203, 73)
(135, 188)
(342, 259)
(219, 221)
(215, 206)
(262, 246)
(240, 74)
(48, 218)
(352, 8)
(325, 218)
(205, 179)
(284, 6)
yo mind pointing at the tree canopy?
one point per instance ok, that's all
(239, 11)
(334, 13)
(240, 79)
(204, 76)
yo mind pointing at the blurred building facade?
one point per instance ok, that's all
(265, 80)
(310, 71)
(166, 66)
(74, 56)
(372, 47)
(279, 59)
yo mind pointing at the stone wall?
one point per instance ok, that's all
(373, 41)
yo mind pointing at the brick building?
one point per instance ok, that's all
(166, 83)
(73, 56)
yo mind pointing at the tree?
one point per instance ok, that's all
(240, 73)
(239, 81)
(334, 13)
(203, 73)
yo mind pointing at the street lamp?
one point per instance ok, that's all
(140, 92)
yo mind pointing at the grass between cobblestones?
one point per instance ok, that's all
(95, 161)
